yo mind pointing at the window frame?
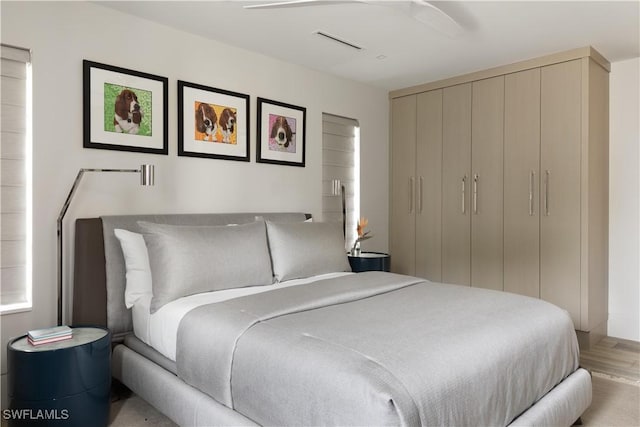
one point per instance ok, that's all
(22, 55)
(333, 183)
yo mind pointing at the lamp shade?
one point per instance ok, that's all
(147, 177)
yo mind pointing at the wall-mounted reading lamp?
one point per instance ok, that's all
(146, 178)
(337, 189)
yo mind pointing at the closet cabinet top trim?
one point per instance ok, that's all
(555, 58)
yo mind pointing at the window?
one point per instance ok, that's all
(15, 183)
(341, 169)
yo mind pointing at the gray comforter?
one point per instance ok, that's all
(377, 349)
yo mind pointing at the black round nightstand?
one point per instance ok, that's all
(62, 383)
(370, 261)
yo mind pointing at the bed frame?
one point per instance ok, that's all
(98, 299)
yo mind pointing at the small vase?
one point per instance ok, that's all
(355, 251)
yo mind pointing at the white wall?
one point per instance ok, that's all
(624, 200)
(62, 34)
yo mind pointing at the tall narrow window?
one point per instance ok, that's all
(341, 169)
(15, 183)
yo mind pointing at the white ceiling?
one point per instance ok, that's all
(495, 33)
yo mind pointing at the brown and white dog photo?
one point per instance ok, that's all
(281, 132)
(206, 121)
(227, 124)
(128, 113)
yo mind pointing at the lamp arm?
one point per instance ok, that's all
(76, 183)
(67, 202)
(63, 212)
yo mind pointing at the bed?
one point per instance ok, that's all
(289, 337)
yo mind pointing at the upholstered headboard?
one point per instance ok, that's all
(99, 270)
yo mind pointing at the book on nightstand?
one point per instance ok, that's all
(49, 335)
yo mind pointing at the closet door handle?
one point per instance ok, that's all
(532, 177)
(546, 192)
(464, 193)
(476, 178)
(412, 185)
(420, 185)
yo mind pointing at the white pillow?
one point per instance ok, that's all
(136, 261)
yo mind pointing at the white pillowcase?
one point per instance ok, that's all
(138, 271)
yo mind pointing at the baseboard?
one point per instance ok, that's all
(586, 340)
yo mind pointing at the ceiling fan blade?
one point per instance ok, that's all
(296, 3)
(427, 13)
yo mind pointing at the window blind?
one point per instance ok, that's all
(340, 167)
(13, 176)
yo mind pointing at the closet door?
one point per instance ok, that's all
(522, 183)
(429, 186)
(561, 86)
(403, 165)
(456, 184)
(487, 146)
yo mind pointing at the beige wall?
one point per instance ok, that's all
(62, 34)
(624, 200)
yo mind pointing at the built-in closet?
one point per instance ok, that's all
(499, 180)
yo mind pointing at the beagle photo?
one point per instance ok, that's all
(281, 136)
(281, 133)
(128, 113)
(206, 122)
(227, 124)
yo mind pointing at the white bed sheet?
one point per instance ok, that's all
(160, 329)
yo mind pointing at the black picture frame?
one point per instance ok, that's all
(142, 129)
(281, 133)
(227, 112)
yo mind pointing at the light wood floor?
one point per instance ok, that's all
(614, 403)
(615, 357)
(615, 367)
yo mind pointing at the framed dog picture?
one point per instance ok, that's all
(124, 109)
(212, 123)
(281, 133)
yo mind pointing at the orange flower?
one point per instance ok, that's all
(362, 235)
(362, 224)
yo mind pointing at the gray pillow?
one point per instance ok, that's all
(187, 260)
(300, 249)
